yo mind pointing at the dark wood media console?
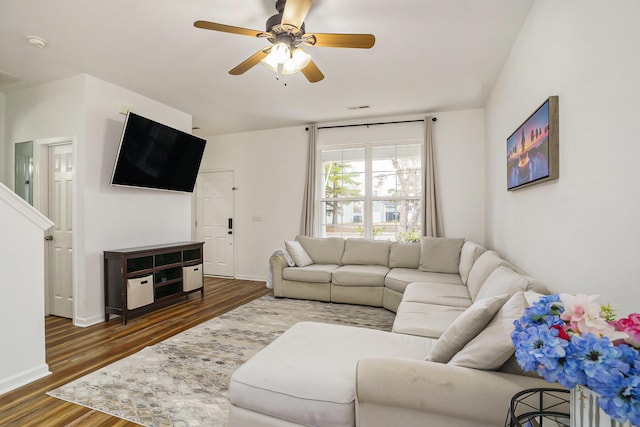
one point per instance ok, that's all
(142, 279)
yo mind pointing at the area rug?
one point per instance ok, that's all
(183, 380)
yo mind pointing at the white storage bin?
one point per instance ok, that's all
(192, 277)
(139, 292)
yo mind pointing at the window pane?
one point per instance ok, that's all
(397, 220)
(342, 219)
(342, 173)
(396, 171)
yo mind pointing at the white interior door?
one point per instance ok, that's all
(214, 222)
(60, 177)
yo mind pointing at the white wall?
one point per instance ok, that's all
(105, 218)
(269, 174)
(459, 150)
(269, 171)
(118, 217)
(4, 161)
(582, 232)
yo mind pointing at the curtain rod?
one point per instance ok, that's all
(433, 119)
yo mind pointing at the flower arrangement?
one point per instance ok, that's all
(573, 340)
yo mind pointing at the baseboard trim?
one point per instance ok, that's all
(252, 278)
(84, 322)
(24, 378)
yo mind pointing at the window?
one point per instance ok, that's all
(371, 191)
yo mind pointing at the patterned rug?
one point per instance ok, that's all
(183, 380)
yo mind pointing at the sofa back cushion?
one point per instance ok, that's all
(440, 254)
(366, 252)
(482, 268)
(492, 347)
(468, 255)
(323, 250)
(503, 280)
(404, 255)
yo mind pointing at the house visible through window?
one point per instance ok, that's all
(371, 191)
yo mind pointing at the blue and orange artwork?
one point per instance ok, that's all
(528, 150)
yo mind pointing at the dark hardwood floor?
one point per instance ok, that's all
(73, 352)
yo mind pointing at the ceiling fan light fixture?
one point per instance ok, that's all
(301, 58)
(270, 62)
(289, 67)
(280, 52)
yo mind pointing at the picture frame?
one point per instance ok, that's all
(533, 148)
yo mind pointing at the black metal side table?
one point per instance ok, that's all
(539, 407)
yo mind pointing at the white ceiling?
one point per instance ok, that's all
(430, 55)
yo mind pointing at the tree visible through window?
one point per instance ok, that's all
(372, 191)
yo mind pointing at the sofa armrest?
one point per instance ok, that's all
(439, 393)
(277, 263)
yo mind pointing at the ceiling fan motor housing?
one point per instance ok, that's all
(274, 23)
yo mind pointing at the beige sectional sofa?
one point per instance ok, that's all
(447, 362)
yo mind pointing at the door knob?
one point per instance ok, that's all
(49, 237)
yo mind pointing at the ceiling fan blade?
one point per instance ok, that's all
(295, 11)
(206, 25)
(312, 72)
(360, 41)
(250, 62)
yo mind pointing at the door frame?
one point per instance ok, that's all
(41, 203)
(194, 212)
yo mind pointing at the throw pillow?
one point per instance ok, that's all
(466, 326)
(440, 254)
(287, 257)
(492, 347)
(502, 281)
(297, 252)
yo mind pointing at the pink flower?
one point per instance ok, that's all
(584, 315)
(631, 326)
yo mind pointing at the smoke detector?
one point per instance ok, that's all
(38, 42)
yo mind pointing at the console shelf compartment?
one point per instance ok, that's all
(166, 265)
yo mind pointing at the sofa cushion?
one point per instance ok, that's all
(482, 268)
(359, 275)
(297, 253)
(308, 374)
(323, 250)
(404, 255)
(425, 320)
(503, 280)
(366, 252)
(438, 293)
(315, 273)
(398, 278)
(468, 255)
(492, 347)
(440, 254)
(465, 327)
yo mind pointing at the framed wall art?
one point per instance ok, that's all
(532, 150)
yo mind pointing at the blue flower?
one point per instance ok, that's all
(539, 349)
(595, 360)
(546, 311)
(620, 398)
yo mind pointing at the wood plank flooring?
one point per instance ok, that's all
(73, 352)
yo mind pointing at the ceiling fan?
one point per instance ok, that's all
(286, 32)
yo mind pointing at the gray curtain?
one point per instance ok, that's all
(430, 220)
(309, 200)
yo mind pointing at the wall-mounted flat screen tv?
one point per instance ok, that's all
(153, 155)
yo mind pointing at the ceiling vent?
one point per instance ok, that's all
(7, 79)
